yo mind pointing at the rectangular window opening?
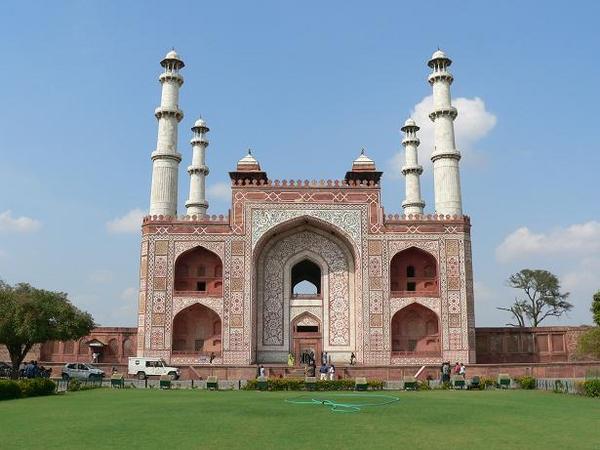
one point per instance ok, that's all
(307, 328)
(411, 286)
(201, 286)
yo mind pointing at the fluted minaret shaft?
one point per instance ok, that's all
(166, 158)
(445, 156)
(413, 203)
(198, 170)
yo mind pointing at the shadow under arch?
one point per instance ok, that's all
(414, 272)
(415, 331)
(198, 271)
(197, 330)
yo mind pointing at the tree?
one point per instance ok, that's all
(596, 308)
(543, 297)
(30, 316)
(589, 343)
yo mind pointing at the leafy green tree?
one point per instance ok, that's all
(596, 308)
(542, 298)
(589, 343)
(30, 316)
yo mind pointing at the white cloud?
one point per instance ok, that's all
(129, 223)
(578, 239)
(101, 276)
(473, 123)
(129, 294)
(22, 224)
(219, 191)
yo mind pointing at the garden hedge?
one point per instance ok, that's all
(10, 389)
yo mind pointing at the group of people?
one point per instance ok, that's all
(33, 370)
(447, 371)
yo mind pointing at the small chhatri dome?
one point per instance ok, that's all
(363, 162)
(172, 56)
(248, 163)
(438, 55)
(410, 124)
(200, 123)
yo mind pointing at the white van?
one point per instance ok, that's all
(143, 367)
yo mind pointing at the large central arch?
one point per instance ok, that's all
(279, 252)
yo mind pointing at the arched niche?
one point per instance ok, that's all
(306, 279)
(197, 330)
(415, 331)
(199, 272)
(413, 273)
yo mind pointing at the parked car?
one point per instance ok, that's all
(81, 371)
(144, 367)
(5, 369)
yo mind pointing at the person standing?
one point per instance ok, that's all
(261, 371)
(352, 359)
(463, 370)
(323, 372)
(332, 372)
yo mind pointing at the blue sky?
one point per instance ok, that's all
(306, 85)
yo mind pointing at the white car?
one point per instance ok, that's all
(81, 371)
(143, 367)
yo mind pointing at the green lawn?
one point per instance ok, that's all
(150, 419)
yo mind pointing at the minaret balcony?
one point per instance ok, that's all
(449, 111)
(163, 111)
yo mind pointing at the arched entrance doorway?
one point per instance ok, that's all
(302, 267)
(307, 339)
(415, 332)
(197, 331)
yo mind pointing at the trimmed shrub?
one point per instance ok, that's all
(591, 388)
(526, 382)
(486, 382)
(37, 386)
(294, 384)
(9, 389)
(423, 386)
(74, 385)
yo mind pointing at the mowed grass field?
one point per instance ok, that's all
(180, 419)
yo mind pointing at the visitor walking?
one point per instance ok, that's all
(323, 372)
(456, 368)
(332, 372)
(261, 371)
(463, 370)
(446, 372)
(352, 359)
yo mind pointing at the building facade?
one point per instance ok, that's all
(304, 266)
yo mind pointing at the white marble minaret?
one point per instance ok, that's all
(197, 204)
(413, 203)
(166, 158)
(445, 156)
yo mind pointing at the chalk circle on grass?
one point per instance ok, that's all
(344, 403)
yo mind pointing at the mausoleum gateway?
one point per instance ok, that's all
(394, 289)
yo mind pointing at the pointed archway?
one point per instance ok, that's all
(415, 332)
